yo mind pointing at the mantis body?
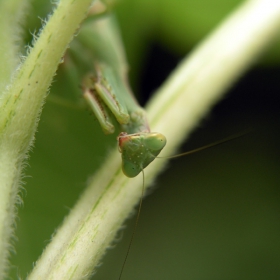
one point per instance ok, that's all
(107, 92)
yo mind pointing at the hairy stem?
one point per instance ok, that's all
(179, 104)
(20, 108)
(11, 14)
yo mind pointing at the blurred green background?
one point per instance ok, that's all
(212, 215)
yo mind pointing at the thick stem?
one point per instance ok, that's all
(178, 106)
(11, 14)
(20, 107)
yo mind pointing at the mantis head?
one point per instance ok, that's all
(139, 150)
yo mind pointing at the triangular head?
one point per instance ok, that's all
(139, 150)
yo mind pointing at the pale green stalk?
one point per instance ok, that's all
(177, 107)
(21, 104)
(11, 14)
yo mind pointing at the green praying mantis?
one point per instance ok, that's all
(106, 90)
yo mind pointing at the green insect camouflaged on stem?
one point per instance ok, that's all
(107, 92)
(105, 84)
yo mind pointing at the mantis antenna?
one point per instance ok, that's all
(230, 138)
(135, 225)
(140, 149)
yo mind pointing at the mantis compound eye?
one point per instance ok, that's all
(155, 141)
(130, 169)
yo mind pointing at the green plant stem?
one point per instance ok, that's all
(11, 14)
(179, 104)
(21, 104)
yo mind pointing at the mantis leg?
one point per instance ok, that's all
(101, 112)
